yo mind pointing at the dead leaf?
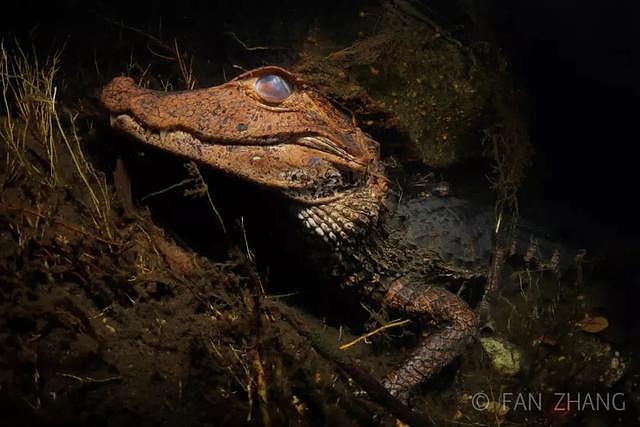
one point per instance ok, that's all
(593, 325)
(545, 340)
(457, 414)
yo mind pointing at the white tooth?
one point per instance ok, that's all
(112, 120)
(312, 222)
(332, 236)
(319, 231)
(306, 224)
(300, 216)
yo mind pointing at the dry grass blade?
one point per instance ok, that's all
(28, 95)
(33, 132)
(392, 324)
(99, 196)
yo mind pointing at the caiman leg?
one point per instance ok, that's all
(437, 350)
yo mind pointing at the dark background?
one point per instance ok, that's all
(579, 62)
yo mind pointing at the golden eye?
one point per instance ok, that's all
(273, 88)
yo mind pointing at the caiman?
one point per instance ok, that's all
(268, 127)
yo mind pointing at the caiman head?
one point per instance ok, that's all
(268, 127)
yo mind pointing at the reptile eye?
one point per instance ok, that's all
(273, 88)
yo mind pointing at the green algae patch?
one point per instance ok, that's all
(505, 357)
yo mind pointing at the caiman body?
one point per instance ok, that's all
(268, 127)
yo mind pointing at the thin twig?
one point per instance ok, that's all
(252, 48)
(135, 30)
(167, 189)
(392, 324)
(90, 380)
(278, 296)
(250, 256)
(202, 188)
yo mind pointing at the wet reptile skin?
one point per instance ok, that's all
(404, 256)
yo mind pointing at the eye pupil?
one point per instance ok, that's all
(273, 88)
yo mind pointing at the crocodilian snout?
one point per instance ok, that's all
(296, 149)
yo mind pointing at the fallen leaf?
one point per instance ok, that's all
(545, 340)
(300, 406)
(457, 414)
(593, 325)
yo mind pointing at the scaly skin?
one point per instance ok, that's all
(437, 349)
(315, 155)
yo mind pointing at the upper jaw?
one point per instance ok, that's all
(320, 146)
(310, 169)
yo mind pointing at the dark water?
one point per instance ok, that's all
(579, 61)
